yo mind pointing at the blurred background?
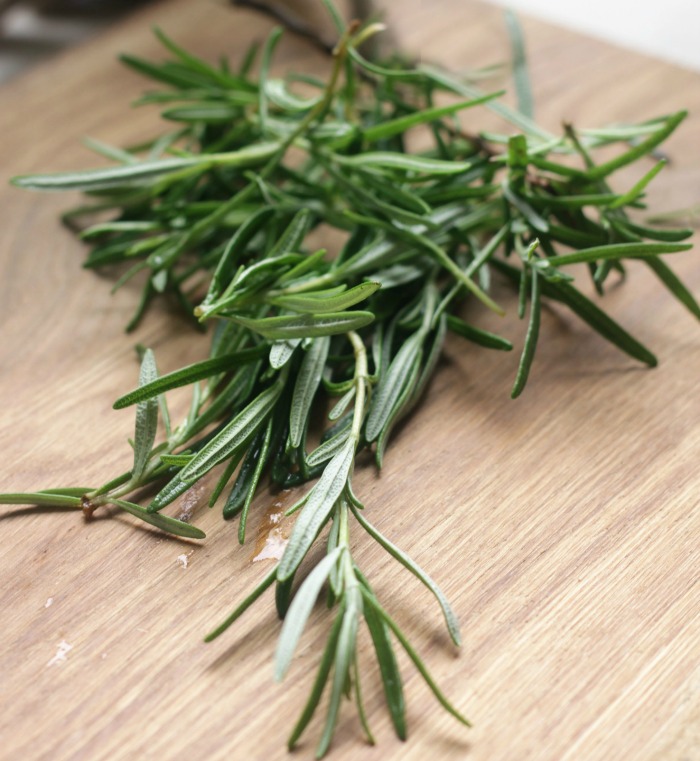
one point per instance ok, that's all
(32, 30)
(666, 29)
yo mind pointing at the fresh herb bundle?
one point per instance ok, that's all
(218, 213)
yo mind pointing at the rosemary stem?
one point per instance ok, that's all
(360, 380)
(350, 581)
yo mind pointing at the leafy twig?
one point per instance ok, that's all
(218, 212)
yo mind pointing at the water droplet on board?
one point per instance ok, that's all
(273, 532)
(184, 559)
(63, 649)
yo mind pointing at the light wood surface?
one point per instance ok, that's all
(564, 526)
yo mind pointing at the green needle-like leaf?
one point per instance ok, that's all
(42, 499)
(417, 571)
(393, 127)
(344, 656)
(179, 460)
(190, 374)
(444, 702)
(388, 666)
(292, 237)
(520, 71)
(674, 284)
(390, 388)
(163, 522)
(671, 235)
(146, 417)
(305, 387)
(533, 332)
(389, 669)
(328, 449)
(638, 151)
(234, 250)
(299, 612)
(355, 678)
(268, 50)
(312, 303)
(613, 251)
(144, 171)
(268, 581)
(477, 335)
(306, 326)
(633, 194)
(234, 435)
(315, 512)
(168, 494)
(324, 670)
(593, 315)
(282, 351)
(403, 163)
(261, 461)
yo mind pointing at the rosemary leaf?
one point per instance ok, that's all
(146, 417)
(306, 326)
(234, 435)
(163, 522)
(315, 512)
(307, 383)
(42, 499)
(299, 612)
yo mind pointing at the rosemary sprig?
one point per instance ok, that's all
(217, 212)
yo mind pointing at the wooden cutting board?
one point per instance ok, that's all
(564, 526)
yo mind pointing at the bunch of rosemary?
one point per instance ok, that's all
(217, 212)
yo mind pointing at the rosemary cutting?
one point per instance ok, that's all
(217, 213)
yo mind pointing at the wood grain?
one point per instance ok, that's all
(564, 526)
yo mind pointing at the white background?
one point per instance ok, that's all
(668, 29)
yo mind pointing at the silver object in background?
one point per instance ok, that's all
(32, 30)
